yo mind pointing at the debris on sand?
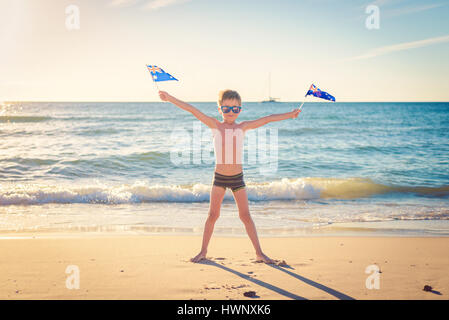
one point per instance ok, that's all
(427, 288)
(281, 263)
(250, 294)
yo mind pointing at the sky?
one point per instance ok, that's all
(211, 45)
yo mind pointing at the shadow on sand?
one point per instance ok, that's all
(278, 290)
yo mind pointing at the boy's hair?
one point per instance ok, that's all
(228, 95)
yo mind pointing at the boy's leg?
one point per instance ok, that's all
(216, 198)
(241, 199)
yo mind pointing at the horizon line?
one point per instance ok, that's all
(159, 101)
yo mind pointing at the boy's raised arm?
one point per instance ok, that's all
(253, 124)
(208, 121)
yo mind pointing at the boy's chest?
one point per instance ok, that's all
(228, 135)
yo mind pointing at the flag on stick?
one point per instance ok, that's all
(159, 75)
(314, 91)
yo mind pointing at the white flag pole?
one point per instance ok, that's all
(305, 97)
(303, 101)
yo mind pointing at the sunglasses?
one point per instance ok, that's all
(235, 109)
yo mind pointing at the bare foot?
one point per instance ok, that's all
(263, 258)
(200, 256)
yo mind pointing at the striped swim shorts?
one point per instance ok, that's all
(234, 182)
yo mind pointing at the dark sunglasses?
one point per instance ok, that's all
(235, 109)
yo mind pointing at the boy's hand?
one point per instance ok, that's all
(164, 95)
(295, 113)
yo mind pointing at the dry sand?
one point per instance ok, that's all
(158, 267)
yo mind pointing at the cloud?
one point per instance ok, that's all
(386, 10)
(123, 3)
(408, 10)
(148, 4)
(401, 47)
(156, 4)
(382, 2)
(379, 3)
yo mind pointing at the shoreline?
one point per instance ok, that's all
(155, 267)
(395, 229)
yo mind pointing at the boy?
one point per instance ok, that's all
(229, 172)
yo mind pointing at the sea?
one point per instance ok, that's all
(371, 169)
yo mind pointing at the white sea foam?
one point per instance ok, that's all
(34, 193)
(142, 191)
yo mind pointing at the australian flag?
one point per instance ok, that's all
(314, 91)
(160, 75)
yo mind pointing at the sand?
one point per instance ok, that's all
(158, 267)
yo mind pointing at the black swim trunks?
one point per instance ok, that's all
(234, 182)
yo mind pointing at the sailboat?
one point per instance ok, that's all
(270, 98)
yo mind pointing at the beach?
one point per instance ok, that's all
(112, 266)
(98, 190)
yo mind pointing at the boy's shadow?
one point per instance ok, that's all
(333, 292)
(281, 291)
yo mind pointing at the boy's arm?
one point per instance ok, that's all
(253, 124)
(208, 121)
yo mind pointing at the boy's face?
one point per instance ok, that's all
(230, 103)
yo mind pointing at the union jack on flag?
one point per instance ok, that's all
(314, 91)
(159, 75)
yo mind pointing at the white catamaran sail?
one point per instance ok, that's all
(270, 98)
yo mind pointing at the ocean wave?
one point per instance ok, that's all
(314, 131)
(142, 191)
(351, 188)
(17, 119)
(100, 131)
(29, 161)
(117, 119)
(112, 161)
(116, 161)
